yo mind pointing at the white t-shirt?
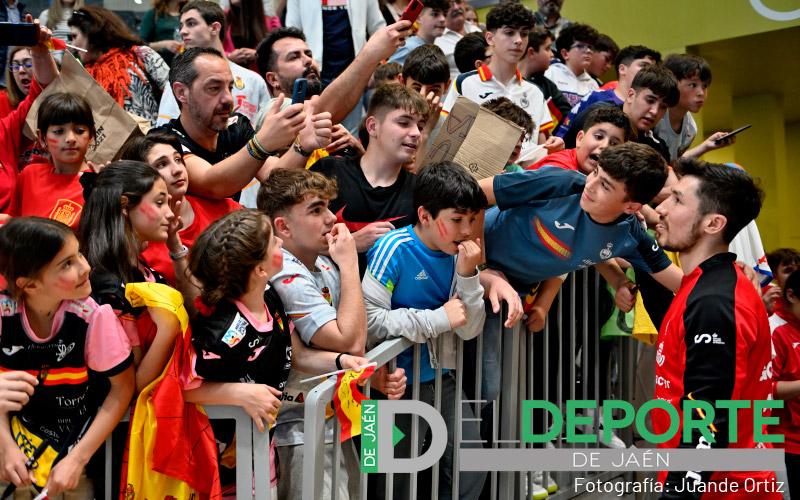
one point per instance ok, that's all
(310, 298)
(574, 87)
(481, 86)
(249, 95)
(677, 142)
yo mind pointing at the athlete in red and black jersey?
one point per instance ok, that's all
(375, 192)
(714, 343)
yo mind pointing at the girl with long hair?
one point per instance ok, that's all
(246, 25)
(160, 27)
(126, 208)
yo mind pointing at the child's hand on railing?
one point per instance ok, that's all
(393, 385)
(456, 312)
(261, 402)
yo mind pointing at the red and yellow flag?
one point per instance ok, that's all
(347, 400)
(171, 448)
(56, 44)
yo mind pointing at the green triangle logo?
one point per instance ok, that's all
(397, 435)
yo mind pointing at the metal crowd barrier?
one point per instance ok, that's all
(563, 362)
(252, 455)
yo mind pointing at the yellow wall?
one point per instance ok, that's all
(770, 150)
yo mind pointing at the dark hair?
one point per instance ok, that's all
(793, 284)
(537, 36)
(638, 166)
(685, 66)
(225, 253)
(211, 13)
(387, 98)
(61, 108)
(265, 56)
(104, 29)
(247, 24)
(445, 185)
(105, 233)
(286, 187)
(576, 32)
(472, 47)
(633, 52)
(387, 73)
(660, 81)
(726, 190)
(183, 69)
(783, 256)
(442, 5)
(605, 43)
(504, 108)
(511, 14)
(138, 147)
(427, 65)
(27, 246)
(608, 114)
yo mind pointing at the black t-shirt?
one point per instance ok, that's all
(337, 42)
(359, 203)
(230, 140)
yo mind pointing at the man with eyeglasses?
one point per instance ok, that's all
(574, 46)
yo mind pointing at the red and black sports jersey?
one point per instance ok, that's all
(359, 203)
(714, 344)
(786, 368)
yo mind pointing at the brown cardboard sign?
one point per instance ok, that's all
(114, 125)
(475, 138)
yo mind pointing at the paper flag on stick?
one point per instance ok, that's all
(347, 400)
(56, 44)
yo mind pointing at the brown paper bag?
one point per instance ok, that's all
(114, 125)
(475, 138)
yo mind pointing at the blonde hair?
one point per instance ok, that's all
(55, 13)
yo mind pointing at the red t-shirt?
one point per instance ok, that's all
(206, 211)
(785, 368)
(5, 104)
(566, 159)
(12, 143)
(44, 193)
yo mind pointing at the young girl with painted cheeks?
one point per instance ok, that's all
(128, 207)
(243, 340)
(52, 329)
(53, 189)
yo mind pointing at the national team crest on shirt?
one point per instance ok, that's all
(326, 294)
(66, 211)
(549, 240)
(605, 253)
(236, 331)
(238, 83)
(524, 102)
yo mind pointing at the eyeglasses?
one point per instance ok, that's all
(15, 67)
(583, 47)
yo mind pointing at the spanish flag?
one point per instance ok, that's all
(56, 44)
(347, 400)
(171, 449)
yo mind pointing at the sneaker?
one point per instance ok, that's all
(545, 482)
(538, 492)
(615, 442)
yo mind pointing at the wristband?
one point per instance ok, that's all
(339, 360)
(255, 152)
(261, 149)
(183, 252)
(299, 149)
